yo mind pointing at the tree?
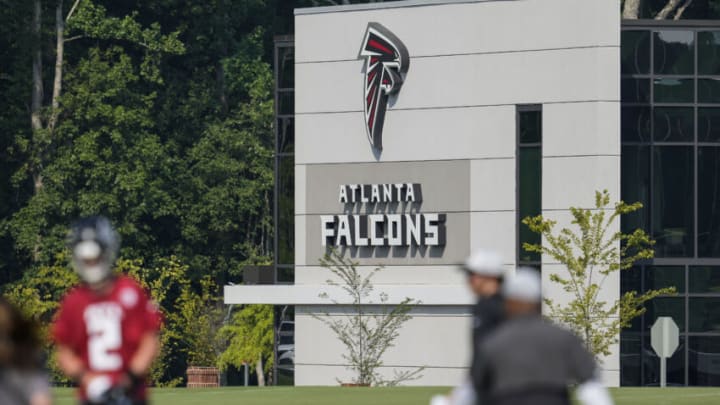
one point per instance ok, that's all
(250, 340)
(590, 253)
(665, 9)
(367, 335)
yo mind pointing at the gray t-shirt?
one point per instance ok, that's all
(18, 387)
(530, 357)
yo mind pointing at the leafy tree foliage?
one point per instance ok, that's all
(250, 338)
(592, 252)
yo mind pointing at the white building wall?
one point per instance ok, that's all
(471, 63)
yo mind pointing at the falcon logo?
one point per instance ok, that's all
(386, 62)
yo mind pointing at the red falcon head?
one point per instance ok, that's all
(386, 63)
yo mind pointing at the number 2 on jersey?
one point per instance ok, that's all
(103, 322)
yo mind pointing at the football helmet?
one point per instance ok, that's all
(94, 244)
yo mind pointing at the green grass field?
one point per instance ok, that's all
(381, 396)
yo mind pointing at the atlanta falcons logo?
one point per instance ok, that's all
(386, 62)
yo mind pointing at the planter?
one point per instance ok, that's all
(203, 377)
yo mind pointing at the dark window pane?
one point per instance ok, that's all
(673, 307)
(709, 201)
(673, 124)
(530, 126)
(635, 186)
(674, 52)
(708, 90)
(635, 90)
(630, 349)
(286, 210)
(286, 274)
(635, 52)
(669, 90)
(675, 365)
(658, 277)
(704, 314)
(704, 361)
(630, 280)
(704, 279)
(286, 135)
(708, 124)
(286, 102)
(635, 124)
(709, 53)
(286, 65)
(672, 203)
(529, 197)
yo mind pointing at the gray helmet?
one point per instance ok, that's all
(485, 263)
(525, 285)
(94, 245)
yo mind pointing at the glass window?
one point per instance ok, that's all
(286, 135)
(673, 307)
(286, 210)
(530, 127)
(674, 52)
(635, 52)
(675, 365)
(529, 198)
(630, 349)
(286, 102)
(704, 360)
(657, 277)
(708, 90)
(630, 280)
(709, 201)
(671, 90)
(708, 124)
(635, 186)
(286, 72)
(673, 124)
(672, 201)
(704, 314)
(704, 279)
(709, 53)
(635, 123)
(635, 90)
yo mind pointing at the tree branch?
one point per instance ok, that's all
(72, 10)
(74, 38)
(681, 10)
(669, 7)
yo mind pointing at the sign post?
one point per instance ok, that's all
(664, 339)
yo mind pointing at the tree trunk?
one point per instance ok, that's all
(59, 54)
(669, 7)
(260, 372)
(37, 85)
(631, 9)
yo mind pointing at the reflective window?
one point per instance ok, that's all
(704, 314)
(286, 135)
(673, 307)
(709, 201)
(672, 211)
(704, 360)
(704, 279)
(286, 69)
(709, 91)
(530, 127)
(635, 52)
(286, 102)
(673, 124)
(635, 90)
(286, 210)
(657, 277)
(674, 52)
(635, 185)
(708, 53)
(672, 90)
(529, 166)
(708, 124)
(630, 359)
(635, 123)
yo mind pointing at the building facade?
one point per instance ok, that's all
(411, 133)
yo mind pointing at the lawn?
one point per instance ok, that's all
(382, 396)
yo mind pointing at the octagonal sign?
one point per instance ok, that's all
(664, 337)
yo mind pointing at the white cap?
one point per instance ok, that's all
(485, 263)
(524, 286)
(87, 250)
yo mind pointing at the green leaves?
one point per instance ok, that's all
(591, 251)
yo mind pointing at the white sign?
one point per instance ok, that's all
(664, 339)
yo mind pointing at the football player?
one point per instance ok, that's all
(107, 327)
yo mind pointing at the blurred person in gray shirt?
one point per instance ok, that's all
(530, 361)
(23, 380)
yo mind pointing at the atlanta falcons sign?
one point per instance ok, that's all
(386, 63)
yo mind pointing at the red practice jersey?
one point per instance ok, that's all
(105, 330)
